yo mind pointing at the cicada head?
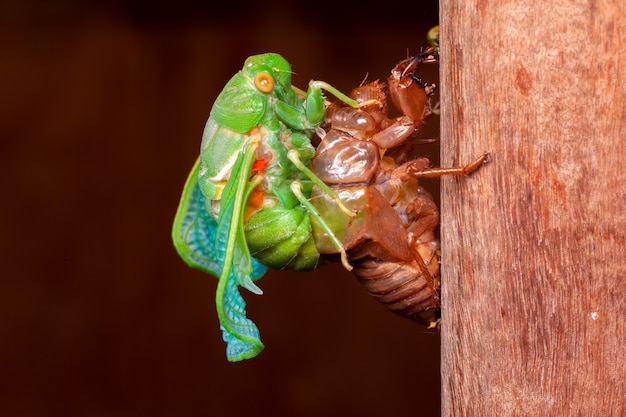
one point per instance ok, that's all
(271, 73)
(243, 102)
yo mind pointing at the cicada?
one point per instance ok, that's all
(366, 158)
(245, 205)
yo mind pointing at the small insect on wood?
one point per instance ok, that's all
(391, 242)
(260, 195)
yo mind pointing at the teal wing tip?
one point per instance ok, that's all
(242, 337)
(240, 347)
(238, 355)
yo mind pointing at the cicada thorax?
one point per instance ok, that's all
(277, 227)
(279, 231)
(259, 112)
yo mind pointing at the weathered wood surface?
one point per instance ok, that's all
(534, 244)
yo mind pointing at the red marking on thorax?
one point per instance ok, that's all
(259, 165)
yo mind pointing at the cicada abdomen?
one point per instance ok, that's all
(408, 286)
(391, 242)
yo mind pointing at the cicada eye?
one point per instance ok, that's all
(264, 82)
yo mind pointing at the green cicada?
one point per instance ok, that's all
(245, 204)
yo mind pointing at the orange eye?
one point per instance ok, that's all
(264, 82)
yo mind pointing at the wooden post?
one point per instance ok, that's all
(534, 243)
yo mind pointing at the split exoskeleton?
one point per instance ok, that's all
(391, 241)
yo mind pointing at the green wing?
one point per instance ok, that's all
(209, 245)
(194, 229)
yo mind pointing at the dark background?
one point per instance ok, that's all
(102, 110)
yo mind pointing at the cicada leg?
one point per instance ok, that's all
(296, 189)
(420, 262)
(322, 85)
(460, 170)
(295, 159)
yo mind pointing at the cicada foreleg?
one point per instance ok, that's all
(322, 85)
(314, 98)
(315, 106)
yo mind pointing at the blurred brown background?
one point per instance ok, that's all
(102, 110)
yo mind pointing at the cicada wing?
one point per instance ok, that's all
(239, 332)
(202, 243)
(242, 337)
(230, 223)
(195, 231)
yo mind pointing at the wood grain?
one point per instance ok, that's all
(534, 243)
